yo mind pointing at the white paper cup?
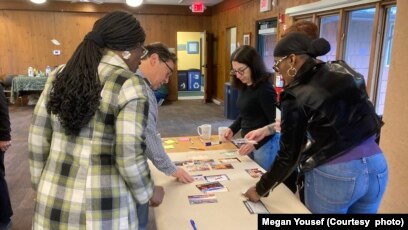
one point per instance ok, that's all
(221, 131)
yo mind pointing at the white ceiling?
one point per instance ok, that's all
(158, 2)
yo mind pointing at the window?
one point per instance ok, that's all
(266, 41)
(329, 29)
(385, 59)
(349, 31)
(358, 40)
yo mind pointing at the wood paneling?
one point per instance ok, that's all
(28, 38)
(244, 15)
(27, 32)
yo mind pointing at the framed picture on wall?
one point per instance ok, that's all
(192, 47)
(247, 39)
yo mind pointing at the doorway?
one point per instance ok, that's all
(266, 41)
(189, 75)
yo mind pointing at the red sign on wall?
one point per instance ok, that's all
(197, 7)
(265, 5)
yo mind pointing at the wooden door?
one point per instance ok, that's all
(207, 65)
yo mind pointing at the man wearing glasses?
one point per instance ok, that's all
(156, 68)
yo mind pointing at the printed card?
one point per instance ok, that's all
(199, 177)
(230, 153)
(202, 199)
(222, 166)
(241, 141)
(220, 177)
(255, 172)
(229, 160)
(212, 187)
(256, 207)
(195, 168)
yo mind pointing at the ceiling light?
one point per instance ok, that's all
(38, 1)
(134, 3)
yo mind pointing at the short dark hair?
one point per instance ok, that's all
(249, 56)
(162, 50)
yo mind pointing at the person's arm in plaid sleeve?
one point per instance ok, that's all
(130, 140)
(39, 138)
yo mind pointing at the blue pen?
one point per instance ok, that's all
(193, 224)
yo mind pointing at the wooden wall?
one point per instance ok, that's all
(26, 31)
(242, 14)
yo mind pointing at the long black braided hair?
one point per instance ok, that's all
(75, 93)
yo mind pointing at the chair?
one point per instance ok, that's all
(6, 83)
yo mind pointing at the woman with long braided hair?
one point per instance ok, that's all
(87, 141)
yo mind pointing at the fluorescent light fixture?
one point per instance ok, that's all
(55, 42)
(38, 1)
(134, 3)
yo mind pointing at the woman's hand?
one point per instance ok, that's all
(4, 145)
(158, 195)
(182, 176)
(252, 195)
(228, 134)
(246, 149)
(257, 134)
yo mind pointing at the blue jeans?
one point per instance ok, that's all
(355, 186)
(266, 154)
(143, 215)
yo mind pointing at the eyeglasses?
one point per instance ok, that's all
(241, 71)
(144, 52)
(276, 66)
(171, 70)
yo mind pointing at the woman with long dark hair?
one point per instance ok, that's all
(87, 141)
(256, 102)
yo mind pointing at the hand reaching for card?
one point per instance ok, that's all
(183, 176)
(252, 195)
(246, 149)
